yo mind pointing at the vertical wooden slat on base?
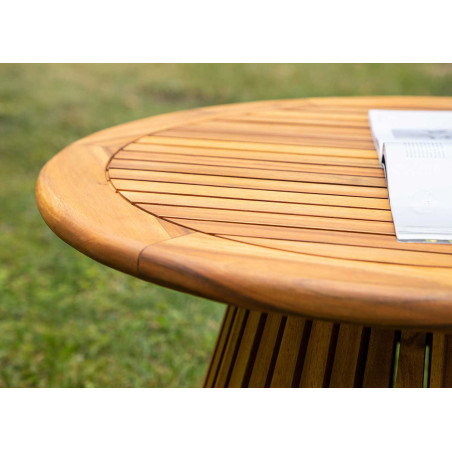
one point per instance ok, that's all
(410, 369)
(316, 370)
(347, 357)
(380, 359)
(294, 333)
(441, 361)
(220, 346)
(261, 367)
(247, 344)
(232, 347)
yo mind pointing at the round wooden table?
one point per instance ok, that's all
(279, 209)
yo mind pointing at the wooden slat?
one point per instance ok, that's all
(441, 361)
(240, 161)
(380, 359)
(313, 118)
(347, 104)
(367, 254)
(311, 235)
(317, 123)
(290, 127)
(276, 219)
(346, 358)
(410, 369)
(258, 206)
(232, 347)
(249, 340)
(269, 174)
(291, 134)
(293, 339)
(308, 110)
(364, 158)
(220, 346)
(249, 194)
(263, 362)
(307, 156)
(243, 182)
(361, 149)
(319, 350)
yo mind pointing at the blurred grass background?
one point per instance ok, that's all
(66, 320)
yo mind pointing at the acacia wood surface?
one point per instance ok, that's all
(279, 206)
(289, 351)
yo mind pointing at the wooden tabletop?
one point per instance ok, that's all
(276, 205)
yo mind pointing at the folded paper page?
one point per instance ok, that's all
(409, 126)
(419, 177)
(415, 149)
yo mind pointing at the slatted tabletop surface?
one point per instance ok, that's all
(278, 205)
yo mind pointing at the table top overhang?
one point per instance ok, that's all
(274, 205)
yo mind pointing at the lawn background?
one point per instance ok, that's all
(66, 320)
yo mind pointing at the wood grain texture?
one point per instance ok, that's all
(380, 359)
(349, 358)
(410, 369)
(295, 336)
(276, 351)
(441, 361)
(278, 206)
(267, 353)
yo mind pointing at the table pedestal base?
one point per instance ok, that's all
(256, 349)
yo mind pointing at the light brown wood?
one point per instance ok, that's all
(309, 161)
(372, 205)
(410, 369)
(349, 357)
(295, 337)
(251, 173)
(255, 184)
(380, 359)
(270, 161)
(319, 355)
(267, 353)
(232, 347)
(220, 347)
(324, 154)
(441, 361)
(246, 353)
(253, 133)
(279, 206)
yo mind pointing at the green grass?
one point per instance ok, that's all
(66, 320)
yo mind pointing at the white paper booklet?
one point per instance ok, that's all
(409, 126)
(415, 149)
